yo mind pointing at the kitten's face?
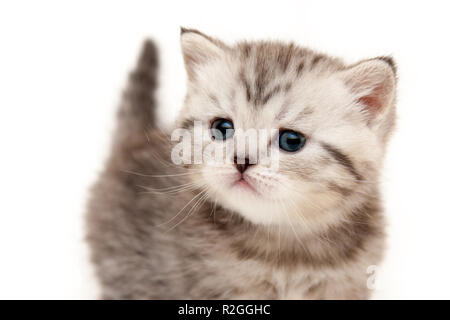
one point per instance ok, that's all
(342, 115)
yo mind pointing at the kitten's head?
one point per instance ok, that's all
(329, 126)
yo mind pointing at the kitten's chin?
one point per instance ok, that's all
(253, 206)
(261, 207)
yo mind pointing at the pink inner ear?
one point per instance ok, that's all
(374, 101)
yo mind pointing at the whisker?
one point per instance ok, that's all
(197, 205)
(162, 175)
(181, 210)
(172, 189)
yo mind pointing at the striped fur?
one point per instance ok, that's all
(174, 232)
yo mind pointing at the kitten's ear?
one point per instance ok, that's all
(373, 84)
(198, 48)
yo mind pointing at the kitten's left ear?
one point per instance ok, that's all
(373, 84)
(198, 49)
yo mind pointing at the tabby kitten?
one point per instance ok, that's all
(308, 228)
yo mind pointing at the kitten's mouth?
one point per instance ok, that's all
(244, 184)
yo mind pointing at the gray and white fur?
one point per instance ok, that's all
(162, 231)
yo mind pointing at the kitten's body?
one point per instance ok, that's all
(179, 243)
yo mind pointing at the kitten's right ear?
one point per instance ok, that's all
(199, 48)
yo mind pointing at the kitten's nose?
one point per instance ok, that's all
(242, 164)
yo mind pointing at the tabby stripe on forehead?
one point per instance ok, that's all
(271, 93)
(300, 67)
(342, 159)
(246, 48)
(316, 60)
(285, 56)
(246, 85)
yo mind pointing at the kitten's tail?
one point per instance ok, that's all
(137, 111)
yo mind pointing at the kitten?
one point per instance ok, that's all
(306, 229)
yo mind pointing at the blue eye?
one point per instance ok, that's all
(222, 129)
(291, 141)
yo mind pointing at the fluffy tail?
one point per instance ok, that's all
(137, 111)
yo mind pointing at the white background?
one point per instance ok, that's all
(63, 65)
